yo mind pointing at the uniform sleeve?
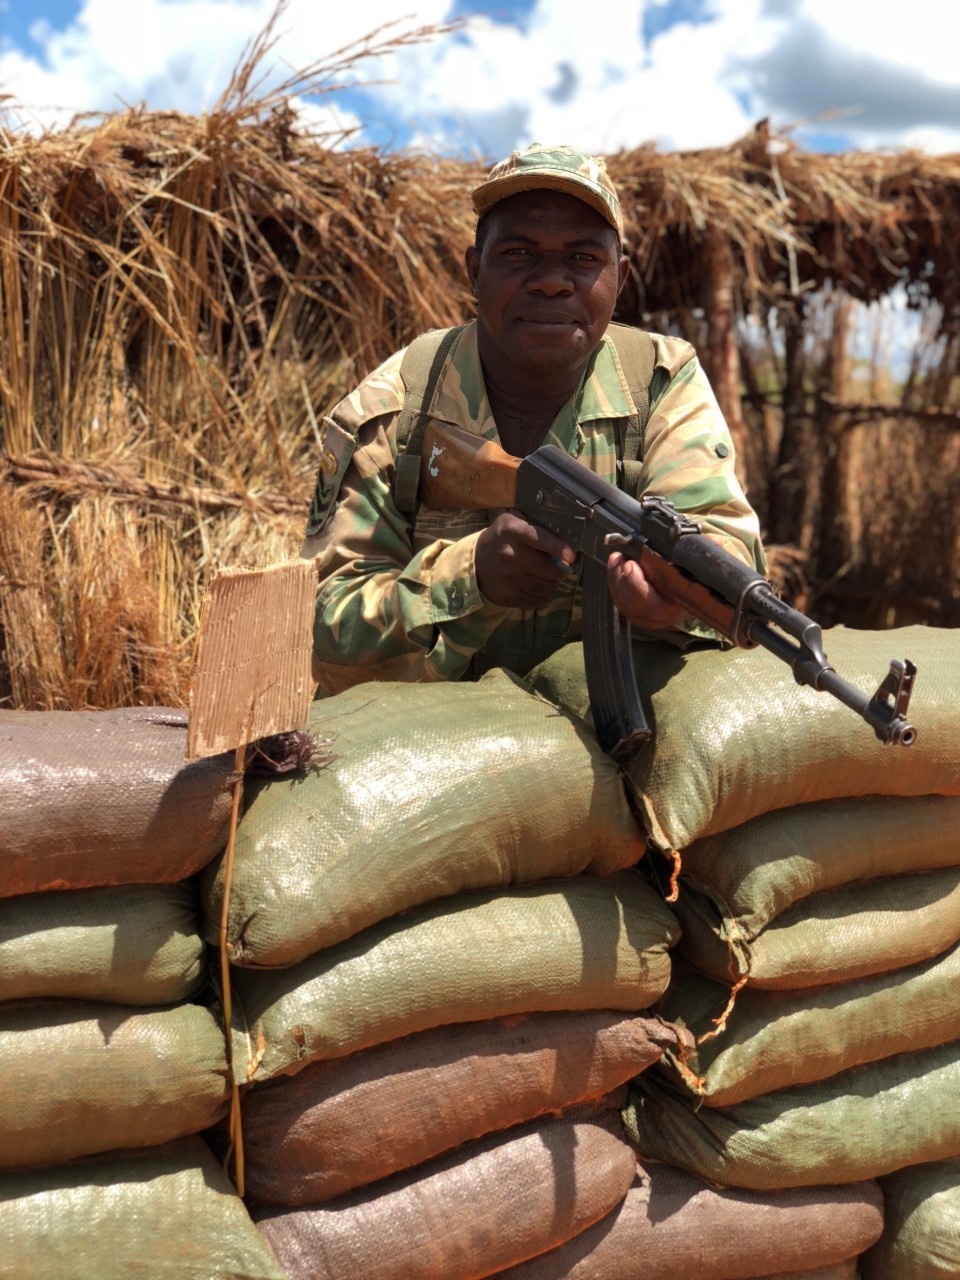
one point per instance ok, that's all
(385, 612)
(688, 457)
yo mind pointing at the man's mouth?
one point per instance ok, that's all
(553, 321)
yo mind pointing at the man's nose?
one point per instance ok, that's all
(551, 276)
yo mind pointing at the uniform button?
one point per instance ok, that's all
(721, 450)
(456, 599)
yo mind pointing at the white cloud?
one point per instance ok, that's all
(570, 74)
(178, 54)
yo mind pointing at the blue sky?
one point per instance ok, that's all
(603, 75)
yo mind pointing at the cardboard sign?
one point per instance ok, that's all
(252, 674)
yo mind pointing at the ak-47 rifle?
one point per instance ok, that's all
(553, 490)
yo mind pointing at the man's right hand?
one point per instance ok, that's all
(519, 564)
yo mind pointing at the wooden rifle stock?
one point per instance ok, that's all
(462, 470)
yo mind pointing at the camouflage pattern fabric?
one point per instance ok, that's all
(401, 602)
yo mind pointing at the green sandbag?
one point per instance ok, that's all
(166, 1213)
(735, 736)
(836, 936)
(755, 872)
(127, 945)
(583, 943)
(777, 1039)
(921, 1237)
(83, 1078)
(859, 1124)
(431, 790)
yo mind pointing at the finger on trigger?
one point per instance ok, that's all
(547, 542)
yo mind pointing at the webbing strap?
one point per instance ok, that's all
(638, 356)
(420, 371)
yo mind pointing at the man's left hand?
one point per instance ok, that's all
(639, 602)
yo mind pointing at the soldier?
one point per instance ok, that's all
(407, 593)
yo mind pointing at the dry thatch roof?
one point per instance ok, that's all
(182, 296)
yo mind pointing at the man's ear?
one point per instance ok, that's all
(471, 260)
(623, 270)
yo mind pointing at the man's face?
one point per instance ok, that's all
(546, 279)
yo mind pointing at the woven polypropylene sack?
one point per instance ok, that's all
(921, 1237)
(848, 1270)
(835, 936)
(80, 1078)
(734, 736)
(307, 1137)
(92, 798)
(862, 1123)
(777, 1039)
(583, 943)
(755, 872)
(167, 1213)
(430, 790)
(469, 1214)
(681, 1228)
(126, 945)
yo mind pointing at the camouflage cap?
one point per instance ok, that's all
(557, 168)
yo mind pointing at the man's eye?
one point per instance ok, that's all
(584, 257)
(516, 252)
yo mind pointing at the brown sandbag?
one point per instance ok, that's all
(836, 936)
(430, 791)
(755, 872)
(124, 945)
(673, 1226)
(735, 736)
(848, 1270)
(165, 1213)
(83, 1078)
(774, 1040)
(921, 1235)
(468, 1214)
(91, 798)
(581, 943)
(307, 1137)
(863, 1123)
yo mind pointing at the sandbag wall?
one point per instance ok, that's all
(109, 1057)
(819, 897)
(443, 967)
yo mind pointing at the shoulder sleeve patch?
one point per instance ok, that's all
(336, 450)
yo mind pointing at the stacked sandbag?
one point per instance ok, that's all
(817, 877)
(93, 798)
(735, 737)
(429, 792)
(105, 1042)
(160, 1213)
(824, 893)
(466, 1215)
(921, 1236)
(439, 951)
(673, 1226)
(306, 1138)
(432, 1039)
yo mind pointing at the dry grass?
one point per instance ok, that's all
(182, 297)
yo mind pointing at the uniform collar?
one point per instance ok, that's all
(461, 396)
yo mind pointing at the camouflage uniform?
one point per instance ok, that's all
(401, 602)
